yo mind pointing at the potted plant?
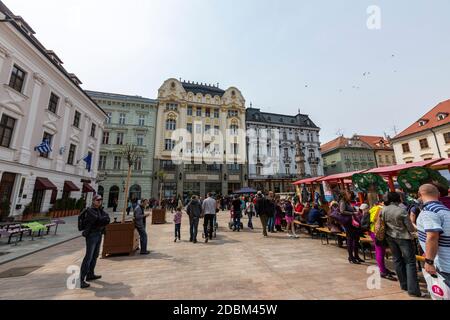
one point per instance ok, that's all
(121, 238)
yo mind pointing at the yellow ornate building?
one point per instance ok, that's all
(202, 125)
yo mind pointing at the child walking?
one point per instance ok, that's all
(177, 220)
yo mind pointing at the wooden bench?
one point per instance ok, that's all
(324, 233)
(17, 232)
(311, 228)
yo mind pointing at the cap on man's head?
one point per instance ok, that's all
(97, 197)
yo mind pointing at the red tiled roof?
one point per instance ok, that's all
(375, 142)
(333, 144)
(432, 120)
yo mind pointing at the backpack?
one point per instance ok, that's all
(81, 220)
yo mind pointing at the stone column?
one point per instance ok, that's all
(25, 151)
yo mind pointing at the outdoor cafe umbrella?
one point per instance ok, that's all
(245, 191)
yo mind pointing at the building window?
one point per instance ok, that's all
(423, 143)
(288, 170)
(119, 140)
(171, 125)
(6, 130)
(76, 119)
(122, 118)
(88, 166)
(447, 137)
(198, 128)
(172, 106)
(167, 165)
(117, 162)
(17, 79)
(169, 144)
(406, 148)
(53, 103)
(216, 113)
(216, 130)
(141, 122)
(234, 167)
(102, 163)
(189, 111)
(207, 129)
(234, 148)
(189, 127)
(138, 164)
(387, 158)
(234, 129)
(105, 139)
(140, 139)
(108, 118)
(232, 113)
(199, 112)
(47, 136)
(380, 159)
(72, 150)
(208, 113)
(93, 128)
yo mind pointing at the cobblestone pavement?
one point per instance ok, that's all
(240, 266)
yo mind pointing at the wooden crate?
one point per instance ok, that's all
(120, 238)
(158, 216)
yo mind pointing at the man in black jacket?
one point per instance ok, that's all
(265, 209)
(95, 221)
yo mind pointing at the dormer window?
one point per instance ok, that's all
(422, 122)
(442, 116)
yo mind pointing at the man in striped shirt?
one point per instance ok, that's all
(433, 226)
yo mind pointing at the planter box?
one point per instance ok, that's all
(120, 238)
(158, 216)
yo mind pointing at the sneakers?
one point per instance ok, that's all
(296, 236)
(289, 235)
(175, 240)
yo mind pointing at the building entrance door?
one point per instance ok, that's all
(6, 190)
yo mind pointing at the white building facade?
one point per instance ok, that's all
(281, 149)
(40, 100)
(426, 139)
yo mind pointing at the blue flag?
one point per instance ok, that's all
(88, 160)
(44, 147)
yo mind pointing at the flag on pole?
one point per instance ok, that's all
(44, 147)
(88, 160)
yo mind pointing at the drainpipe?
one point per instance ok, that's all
(437, 144)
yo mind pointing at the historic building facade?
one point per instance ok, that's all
(281, 149)
(42, 105)
(203, 125)
(349, 154)
(427, 138)
(130, 120)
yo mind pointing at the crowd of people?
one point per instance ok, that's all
(408, 226)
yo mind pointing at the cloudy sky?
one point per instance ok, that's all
(283, 55)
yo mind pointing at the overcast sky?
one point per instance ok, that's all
(282, 55)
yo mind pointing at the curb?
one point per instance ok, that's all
(41, 249)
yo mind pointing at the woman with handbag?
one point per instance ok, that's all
(395, 227)
(349, 220)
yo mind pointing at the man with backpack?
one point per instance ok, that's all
(92, 222)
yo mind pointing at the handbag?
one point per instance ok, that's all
(355, 223)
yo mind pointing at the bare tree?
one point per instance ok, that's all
(132, 154)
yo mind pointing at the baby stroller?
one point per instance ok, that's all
(216, 227)
(231, 223)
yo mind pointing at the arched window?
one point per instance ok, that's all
(113, 197)
(171, 124)
(234, 129)
(135, 193)
(101, 191)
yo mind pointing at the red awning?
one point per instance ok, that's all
(443, 164)
(340, 176)
(307, 181)
(87, 188)
(394, 170)
(69, 186)
(44, 184)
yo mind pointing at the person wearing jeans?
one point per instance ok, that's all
(398, 235)
(194, 210)
(95, 221)
(139, 221)
(209, 207)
